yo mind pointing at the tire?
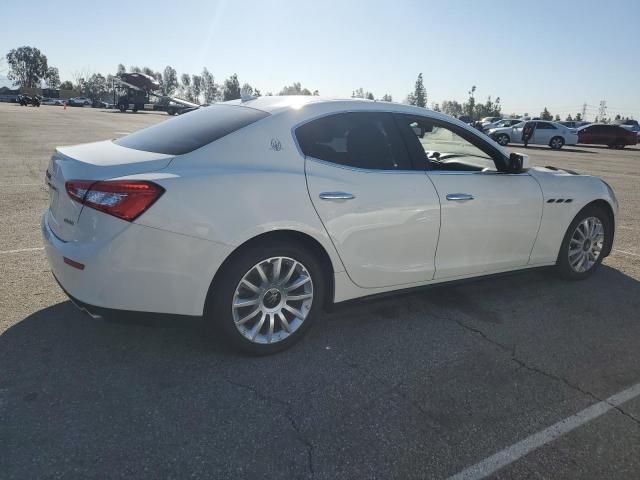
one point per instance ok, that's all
(619, 144)
(566, 262)
(503, 139)
(270, 297)
(134, 109)
(122, 107)
(556, 143)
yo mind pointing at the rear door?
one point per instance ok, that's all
(543, 133)
(382, 215)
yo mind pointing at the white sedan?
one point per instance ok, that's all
(256, 214)
(545, 133)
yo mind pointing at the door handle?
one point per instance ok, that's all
(337, 196)
(459, 197)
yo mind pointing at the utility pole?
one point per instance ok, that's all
(602, 111)
(584, 112)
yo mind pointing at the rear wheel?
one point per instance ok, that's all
(267, 297)
(503, 139)
(619, 144)
(556, 143)
(122, 107)
(583, 245)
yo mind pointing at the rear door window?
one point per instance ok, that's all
(367, 140)
(192, 130)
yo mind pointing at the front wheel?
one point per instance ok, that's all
(556, 143)
(583, 245)
(267, 297)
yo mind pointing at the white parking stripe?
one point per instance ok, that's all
(20, 250)
(626, 253)
(537, 440)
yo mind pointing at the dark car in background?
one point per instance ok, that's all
(614, 136)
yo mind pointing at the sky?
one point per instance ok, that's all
(532, 54)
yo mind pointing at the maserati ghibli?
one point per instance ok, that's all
(257, 213)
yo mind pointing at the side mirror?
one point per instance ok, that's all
(518, 162)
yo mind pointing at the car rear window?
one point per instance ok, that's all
(192, 130)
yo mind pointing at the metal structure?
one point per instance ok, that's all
(135, 90)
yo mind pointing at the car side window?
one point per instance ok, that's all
(356, 139)
(440, 146)
(545, 126)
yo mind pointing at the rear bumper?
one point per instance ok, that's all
(140, 269)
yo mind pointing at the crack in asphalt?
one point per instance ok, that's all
(514, 358)
(288, 413)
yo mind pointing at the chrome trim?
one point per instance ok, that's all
(337, 196)
(363, 170)
(459, 197)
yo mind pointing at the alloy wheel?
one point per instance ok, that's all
(272, 300)
(586, 244)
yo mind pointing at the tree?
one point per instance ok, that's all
(557, 119)
(135, 69)
(52, 78)
(578, 117)
(419, 95)
(121, 69)
(435, 107)
(27, 66)
(545, 115)
(569, 118)
(185, 86)
(489, 108)
(231, 89)
(358, 93)
(66, 85)
(387, 98)
(296, 89)
(451, 107)
(369, 96)
(209, 87)
(196, 87)
(169, 80)
(469, 107)
(94, 87)
(618, 117)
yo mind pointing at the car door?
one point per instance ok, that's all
(543, 133)
(382, 215)
(489, 218)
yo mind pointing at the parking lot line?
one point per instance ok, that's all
(510, 454)
(626, 253)
(20, 250)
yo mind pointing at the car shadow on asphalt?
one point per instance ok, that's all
(156, 398)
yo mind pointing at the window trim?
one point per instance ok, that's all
(500, 161)
(350, 167)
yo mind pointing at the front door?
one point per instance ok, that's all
(382, 215)
(489, 219)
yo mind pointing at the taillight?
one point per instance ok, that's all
(125, 199)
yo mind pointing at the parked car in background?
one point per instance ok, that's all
(505, 122)
(488, 120)
(191, 216)
(614, 136)
(631, 125)
(545, 133)
(79, 101)
(52, 101)
(574, 123)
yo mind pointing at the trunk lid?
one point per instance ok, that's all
(90, 161)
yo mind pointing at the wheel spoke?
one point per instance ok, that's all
(271, 322)
(250, 285)
(245, 319)
(263, 276)
(298, 283)
(295, 311)
(245, 302)
(256, 329)
(276, 269)
(291, 270)
(302, 296)
(283, 321)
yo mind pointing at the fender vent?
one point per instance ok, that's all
(560, 200)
